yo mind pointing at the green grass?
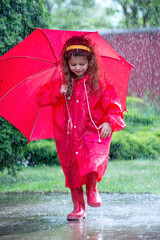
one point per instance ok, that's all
(33, 179)
(134, 176)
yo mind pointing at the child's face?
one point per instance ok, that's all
(78, 65)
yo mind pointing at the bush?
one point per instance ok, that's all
(12, 144)
(41, 152)
(130, 146)
(141, 138)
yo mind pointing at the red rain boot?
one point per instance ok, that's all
(79, 211)
(93, 197)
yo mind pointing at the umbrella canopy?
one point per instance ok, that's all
(36, 61)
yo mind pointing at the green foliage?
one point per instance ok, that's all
(12, 144)
(18, 19)
(140, 13)
(41, 152)
(75, 14)
(140, 139)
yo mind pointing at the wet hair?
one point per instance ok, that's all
(93, 63)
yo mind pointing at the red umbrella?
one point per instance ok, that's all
(34, 62)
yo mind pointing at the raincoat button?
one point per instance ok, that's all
(74, 126)
(76, 152)
(77, 100)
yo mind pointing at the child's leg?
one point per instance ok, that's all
(79, 211)
(93, 197)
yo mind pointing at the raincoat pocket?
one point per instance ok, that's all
(95, 147)
(95, 139)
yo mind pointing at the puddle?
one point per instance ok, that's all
(122, 216)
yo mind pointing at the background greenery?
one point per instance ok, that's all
(140, 13)
(134, 176)
(141, 137)
(19, 18)
(90, 14)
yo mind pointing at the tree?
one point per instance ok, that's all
(78, 14)
(140, 13)
(17, 20)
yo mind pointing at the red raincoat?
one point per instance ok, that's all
(79, 151)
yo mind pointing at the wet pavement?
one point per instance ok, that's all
(122, 216)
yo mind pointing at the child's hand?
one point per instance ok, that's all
(106, 130)
(64, 89)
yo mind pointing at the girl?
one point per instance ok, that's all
(86, 111)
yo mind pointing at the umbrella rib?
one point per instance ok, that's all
(90, 33)
(24, 81)
(101, 55)
(34, 124)
(39, 59)
(106, 56)
(38, 114)
(120, 60)
(49, 43)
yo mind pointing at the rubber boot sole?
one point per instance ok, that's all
(95, 204)
(76, 218)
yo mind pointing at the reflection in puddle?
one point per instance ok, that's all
(122, 216)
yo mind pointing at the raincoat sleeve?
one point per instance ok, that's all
(113, 109)
(49, 94)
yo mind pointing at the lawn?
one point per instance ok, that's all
(122, 176)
